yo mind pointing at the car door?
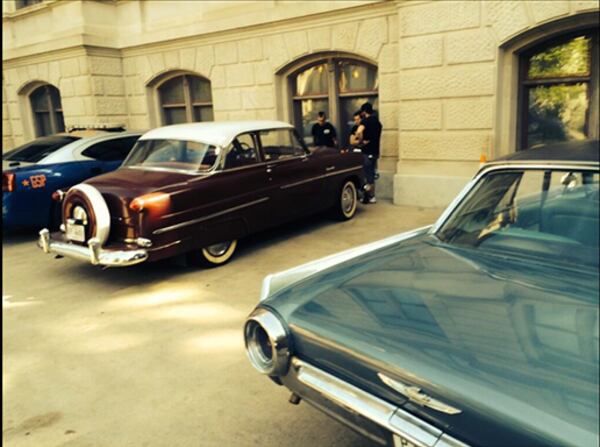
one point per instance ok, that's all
(232, 201)
(292, 172)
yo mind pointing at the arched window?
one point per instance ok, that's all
(185, 99)
(47, 110)
(335, 86)
(559, 90)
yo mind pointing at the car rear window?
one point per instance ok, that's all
(36, 150)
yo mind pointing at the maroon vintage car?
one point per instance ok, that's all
(197, 189)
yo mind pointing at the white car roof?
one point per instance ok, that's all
(217, 133)
(69, 151)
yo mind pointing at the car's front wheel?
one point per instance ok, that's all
(347, 198)
(215, 255)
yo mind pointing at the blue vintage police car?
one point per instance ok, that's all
(33, 171)
(481, 330)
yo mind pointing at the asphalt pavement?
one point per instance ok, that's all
(153, 355)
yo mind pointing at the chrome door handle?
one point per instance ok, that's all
(329, 168)
(269, 170)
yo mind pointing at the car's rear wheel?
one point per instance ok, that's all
(214, 255)
(346, 201)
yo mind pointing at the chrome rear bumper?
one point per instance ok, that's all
(367, 414)
(93, 253)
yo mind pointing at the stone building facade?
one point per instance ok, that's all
(449, 72)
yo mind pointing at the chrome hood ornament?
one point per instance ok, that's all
(416, 395)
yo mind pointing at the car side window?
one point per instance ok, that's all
(241, 152)
(299, 148)
(279, 144)
(111, 150)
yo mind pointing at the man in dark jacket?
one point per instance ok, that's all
(323, 132)
(370, 134)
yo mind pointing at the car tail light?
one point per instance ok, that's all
(267, 343)
(8, 181)
(155, 201)
(58, 195)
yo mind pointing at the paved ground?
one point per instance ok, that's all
(153, 355)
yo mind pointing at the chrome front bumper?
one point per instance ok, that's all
(367, 414)
(93, 253)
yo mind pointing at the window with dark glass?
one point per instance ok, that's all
(24, 3)
(39, 148)
(47, 110)
(186, 99)
(111, 150)
(241, 152)
(559, 83)
(335, 86)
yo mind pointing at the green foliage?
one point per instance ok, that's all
(571, 58)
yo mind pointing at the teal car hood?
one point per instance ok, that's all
(514, 341)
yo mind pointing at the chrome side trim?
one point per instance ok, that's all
(158, 169)
(210, 216)
(500, 167)
(93, 253)
(417, 396)
(388, 416)
(447, 441)
(320, 177)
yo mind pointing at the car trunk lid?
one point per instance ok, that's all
(483, 334)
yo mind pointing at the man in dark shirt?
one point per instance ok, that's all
(370, 133)
(355, 143)
(323, 132)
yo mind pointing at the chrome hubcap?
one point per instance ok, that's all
(218, 249)
(348, 199)
(80, 215)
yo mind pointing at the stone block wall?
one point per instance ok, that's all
(448, 95)
(7, 133)
(244, 69)
(91, 89)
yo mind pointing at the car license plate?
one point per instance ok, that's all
(75, 232)
(399, 441)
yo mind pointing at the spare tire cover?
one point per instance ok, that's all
(90, 199)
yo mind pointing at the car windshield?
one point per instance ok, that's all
(36, 150)
(173, 154)
(549, 214)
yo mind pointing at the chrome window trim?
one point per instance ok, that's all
(210, 216)
(155, 168)
(591, 166)
(386, 415)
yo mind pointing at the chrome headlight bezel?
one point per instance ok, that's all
(267, 343)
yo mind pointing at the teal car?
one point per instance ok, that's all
(480, 330)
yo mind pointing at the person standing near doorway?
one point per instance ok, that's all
(354, 141)
(369, 132)
(323, 132)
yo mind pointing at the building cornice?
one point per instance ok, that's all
(48, 50)
(28, 10)
(76, 50)
(288, 25)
